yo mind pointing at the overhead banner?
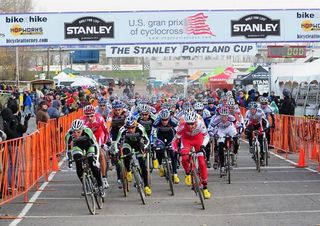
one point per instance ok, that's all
(180, 50)
(160, 27)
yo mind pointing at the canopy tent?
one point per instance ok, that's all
(195, 76)
(216, 71)
(259, 76)
(220, 78)
(70, 71)
(84, 82)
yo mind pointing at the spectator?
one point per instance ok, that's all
(21, 128)
(9, 124)
(288, 104)
(53, 111)
(42, 113)
(27, 104)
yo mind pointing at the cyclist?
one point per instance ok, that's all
(164, 130)
(115, 121)
(221, 126)
(82, 141)
(193, 133)
(97, 124)
(146, 120)
(255, 119)
(267, 111)
(103, 109)
(205, 114)
(134, 135)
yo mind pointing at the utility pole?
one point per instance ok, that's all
(60, 54)
(48, 63)
(17, 66)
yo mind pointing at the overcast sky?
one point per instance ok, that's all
(117, 5)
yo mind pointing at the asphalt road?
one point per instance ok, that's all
(279, 195)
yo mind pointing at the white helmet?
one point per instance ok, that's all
(198, 106)
(190, 117)
(77, 125)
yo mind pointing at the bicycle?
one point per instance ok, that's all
(256, 147)
(228, 152)
(167, 164)
(90, 187)
(195, 174)
(134, 165)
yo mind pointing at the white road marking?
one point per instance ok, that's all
(35, 196)
(194, 214)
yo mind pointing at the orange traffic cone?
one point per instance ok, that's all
(302, 161)
(55, 165)
(314, 152)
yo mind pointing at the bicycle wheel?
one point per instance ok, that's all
(88, 192)
(149, 167)
(197, 189)
(257, 156)
(139, 185)
(124, 180)
(228, 166)
(266, 151)
(97, 196)
(169, 175)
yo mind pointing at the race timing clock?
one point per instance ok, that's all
(287, 51)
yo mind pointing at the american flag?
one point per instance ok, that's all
(196, 25)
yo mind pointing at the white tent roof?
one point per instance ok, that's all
(83, 81)
(64, 77)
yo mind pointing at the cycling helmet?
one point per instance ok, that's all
(190, 117)
(188, 110)
(164, 113)
(198, 106)
(263, 100)
(186, 105)
(130, 121)
(229, 94)
(89, 110)
(166, 105)
(224, 111)
(117, 104)
(144, 108)
(77, 124)
(206, 114)
(102, 101)
(231, 102)
(252, 105)
(211, 101)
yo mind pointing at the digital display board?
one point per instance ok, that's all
(287, 51)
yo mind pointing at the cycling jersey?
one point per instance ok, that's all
(98, 127)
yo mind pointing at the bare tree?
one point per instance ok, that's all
(7, 54)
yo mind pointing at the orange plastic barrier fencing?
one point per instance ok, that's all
(293, 134)
(24, 161)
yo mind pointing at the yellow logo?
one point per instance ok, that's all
(307, 25)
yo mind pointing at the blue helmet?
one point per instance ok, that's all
(164, 113)
(117, 104)
(131, 121)
(102, 101)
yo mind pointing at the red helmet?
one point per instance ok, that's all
(89, 110)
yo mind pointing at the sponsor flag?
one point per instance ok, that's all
(196, 25)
